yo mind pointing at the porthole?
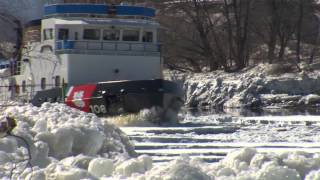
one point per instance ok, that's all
(43, 83)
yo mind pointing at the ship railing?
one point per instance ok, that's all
(107, 47)
(24, 94)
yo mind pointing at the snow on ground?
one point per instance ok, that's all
(244, 164)
(67, 144)
(59, 135)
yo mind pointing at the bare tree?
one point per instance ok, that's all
(237, 13)
(191, 23)
(277, 22)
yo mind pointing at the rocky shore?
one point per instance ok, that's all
(263, 86)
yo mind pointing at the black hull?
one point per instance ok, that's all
(112, 98)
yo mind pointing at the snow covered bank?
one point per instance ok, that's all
(55, 133)
(262, 86)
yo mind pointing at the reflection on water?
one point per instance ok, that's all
(244, 112)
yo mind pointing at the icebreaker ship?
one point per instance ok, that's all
(99, 58)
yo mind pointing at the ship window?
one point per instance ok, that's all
(47, 34)
(63, 34)
(43, 83)
(111, 35)
(130, 35)
(24, 86)
(91, 34)
(147, 36)
(57, 81)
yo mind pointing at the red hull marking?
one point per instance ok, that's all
(79, 96)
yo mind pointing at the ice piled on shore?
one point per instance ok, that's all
(67, 144)
(262, 86)
(55, 132)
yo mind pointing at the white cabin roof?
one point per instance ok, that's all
(113, 22)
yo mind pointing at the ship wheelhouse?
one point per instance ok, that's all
(120, 37)
(100, 42)
(77, 27)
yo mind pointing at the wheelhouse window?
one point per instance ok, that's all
(130, 35)
(47, 34)
(91, 34)
(147, 36)
(63, 34)
(43, 83)
(111, 34)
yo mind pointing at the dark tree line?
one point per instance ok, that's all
(233, 34)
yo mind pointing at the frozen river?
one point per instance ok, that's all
(60, 136)
(211, 136)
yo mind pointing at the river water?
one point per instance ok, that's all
(211, 134)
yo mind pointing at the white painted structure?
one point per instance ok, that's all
(82, 49)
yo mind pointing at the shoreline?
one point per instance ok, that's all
(252, 88)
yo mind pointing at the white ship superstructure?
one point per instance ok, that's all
(99, 44)
(89, 46)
